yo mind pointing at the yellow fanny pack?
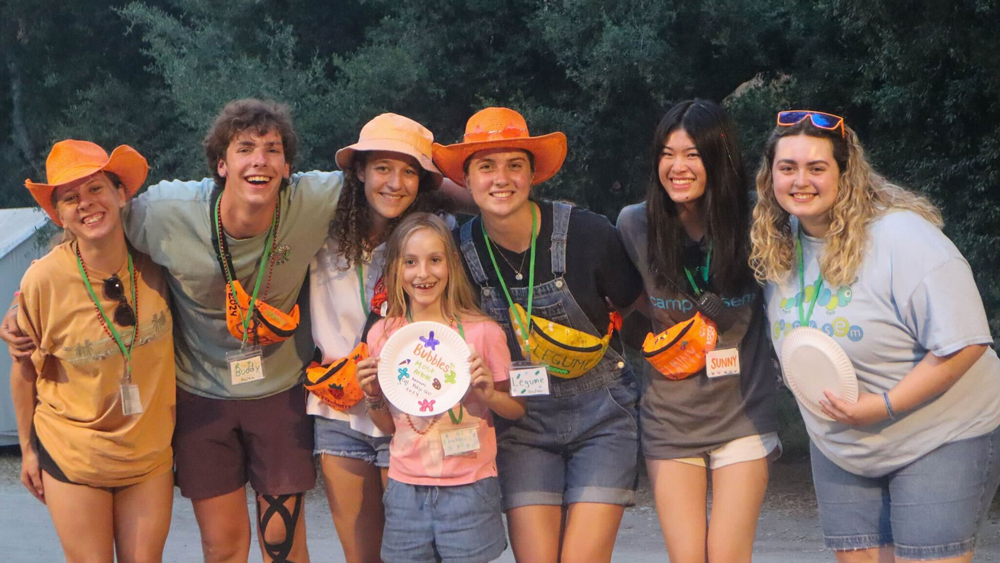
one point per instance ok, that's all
(568, 352)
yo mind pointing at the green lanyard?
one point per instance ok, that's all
(361, 281)
(224, 253)
(461, 407)
(817, 286)
(704, 274)
(126, 351)
(524, 325)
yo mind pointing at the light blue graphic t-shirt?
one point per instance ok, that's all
(914, 294)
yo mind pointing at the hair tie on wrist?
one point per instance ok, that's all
(888, 406)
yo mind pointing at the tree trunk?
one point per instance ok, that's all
(20, 131)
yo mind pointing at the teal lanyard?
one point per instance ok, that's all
(526, 323)
(230, 275)
(704, 273)
(361, 281)
(817, 286)
(461, 407)
(126, 351)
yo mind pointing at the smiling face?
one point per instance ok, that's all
(391, 182)
(500, 181)
(254, 167)
(806, 177)
(90, 207)
(424, 271)
(681, 171)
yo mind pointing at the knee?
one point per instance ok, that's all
(223, 547)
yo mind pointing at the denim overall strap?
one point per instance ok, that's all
(560, 230)
(470, 253)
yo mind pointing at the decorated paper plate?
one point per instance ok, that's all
(424, 368)
(813, 362)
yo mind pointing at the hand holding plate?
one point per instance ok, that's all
(482, 377)
(367, 374)
(868, 409)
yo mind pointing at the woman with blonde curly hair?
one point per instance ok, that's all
(908, 470)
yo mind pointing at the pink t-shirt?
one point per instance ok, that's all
(418, 459)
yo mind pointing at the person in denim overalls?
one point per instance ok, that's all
(576, 447)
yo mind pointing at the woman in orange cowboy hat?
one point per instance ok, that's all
(546, 273)
(95, 400)
(388, 173)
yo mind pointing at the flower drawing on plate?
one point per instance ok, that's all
(403, 372)
(429, 341)
(427, 405)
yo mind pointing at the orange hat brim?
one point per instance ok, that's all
(549, 152)
(125, 162)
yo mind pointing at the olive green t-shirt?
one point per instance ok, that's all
(172, 222)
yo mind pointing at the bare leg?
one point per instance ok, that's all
(882, 554)
(535, 533)
(591, 530)
(354, 490)
(737, 495)
(281, 528)
(224, 524)
(84, 520)
(680, 491)
(142, 519)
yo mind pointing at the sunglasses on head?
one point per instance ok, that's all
(114, 289)
(822, 120)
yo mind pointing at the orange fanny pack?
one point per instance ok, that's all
(679, 352)
(269, 325)
(337, 383)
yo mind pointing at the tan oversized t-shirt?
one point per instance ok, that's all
(78, 414)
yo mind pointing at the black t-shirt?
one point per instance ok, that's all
(597, 265)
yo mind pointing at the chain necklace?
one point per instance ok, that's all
(517, 271)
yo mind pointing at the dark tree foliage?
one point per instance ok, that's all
(916, 78)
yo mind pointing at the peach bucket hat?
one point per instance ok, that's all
(394, 133)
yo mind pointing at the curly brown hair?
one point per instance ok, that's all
(352, 221)
(862, 196)
(259, 116)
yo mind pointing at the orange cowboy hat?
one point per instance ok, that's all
(394, 133)
(494, 128)
(71, 160)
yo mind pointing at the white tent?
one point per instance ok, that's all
(20, 244)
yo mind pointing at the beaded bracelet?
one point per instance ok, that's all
(375, 403)
(888, 406)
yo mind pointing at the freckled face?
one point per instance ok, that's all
(90, 207)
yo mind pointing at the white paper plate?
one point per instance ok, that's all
(813, 362)
(424, 368)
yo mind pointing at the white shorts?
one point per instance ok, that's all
(748, 448)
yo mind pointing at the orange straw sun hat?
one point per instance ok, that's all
(394, 133)
(71, 160)
(495, 128)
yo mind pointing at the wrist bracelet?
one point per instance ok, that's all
(374, 403)
(888, 406)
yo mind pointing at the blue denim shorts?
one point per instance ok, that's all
(335, 437)
(455, 524)
(929, 509)
(578, 448)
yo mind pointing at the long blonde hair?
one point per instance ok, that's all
(862, 195)
(457, 299)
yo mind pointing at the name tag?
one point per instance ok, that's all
(460, 440)
(527, 380)
(246, 365)
(131, 404)
(719, 363)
